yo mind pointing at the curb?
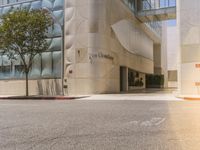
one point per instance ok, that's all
(189, 98)
(41, 97)
(192, 98)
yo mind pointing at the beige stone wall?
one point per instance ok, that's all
(160, 56)
(164, 53)
(157, 58)
(93, 52)
(172, 55)
(172, 47)
(189, 24)
(36, 87)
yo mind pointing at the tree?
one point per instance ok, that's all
(23, 34)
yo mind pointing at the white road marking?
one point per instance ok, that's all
(160, 121)
(156, 121)
(146, 123)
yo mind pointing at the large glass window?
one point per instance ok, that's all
(6, 71)
(56, 63)
(18, 71)
(12, 1)
(135, 79)
(35, 71)
(48, 64)
(4, 2)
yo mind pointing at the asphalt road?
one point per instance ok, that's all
(99, 125)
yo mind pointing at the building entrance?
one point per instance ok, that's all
(123, 79)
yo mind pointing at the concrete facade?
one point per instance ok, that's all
(102, 27)
(172, 55)
(164, 53)
(189, 52)
(160, 53)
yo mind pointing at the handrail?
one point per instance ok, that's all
(154, 5)
(153, 25)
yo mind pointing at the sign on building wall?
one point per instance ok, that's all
(190, 80)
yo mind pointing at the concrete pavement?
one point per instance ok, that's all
(145, 97)
(144, 94)
(99, 125)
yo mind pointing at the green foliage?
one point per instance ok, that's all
(154, 81)
(23, 33)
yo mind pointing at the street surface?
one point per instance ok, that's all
(99, 125)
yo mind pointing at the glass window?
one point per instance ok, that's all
(57, 64)
(131, 78)
(1, 72)
(17, 67)
(6, 67)
(58, 4)
(50, 32)
(1, 2)
(59, 16)
(48, 4)
(6, 9)
(5, 71)
(36, 5)
(47, 64)
(12, 1)
(49, 40)
(19, 71)
(56, 44)
(4, 2)
(1, 69)
(1, 9)
(57, 30)
(16, 7)
(26, 5)
(22, 0)
(135, 79)
(36, 67)
(1, 60)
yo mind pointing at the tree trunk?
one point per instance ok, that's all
(26, 83)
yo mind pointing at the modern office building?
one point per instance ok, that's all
(188, 19)
(97, 46)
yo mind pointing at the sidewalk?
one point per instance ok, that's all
(145, 97)
(144, 94)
